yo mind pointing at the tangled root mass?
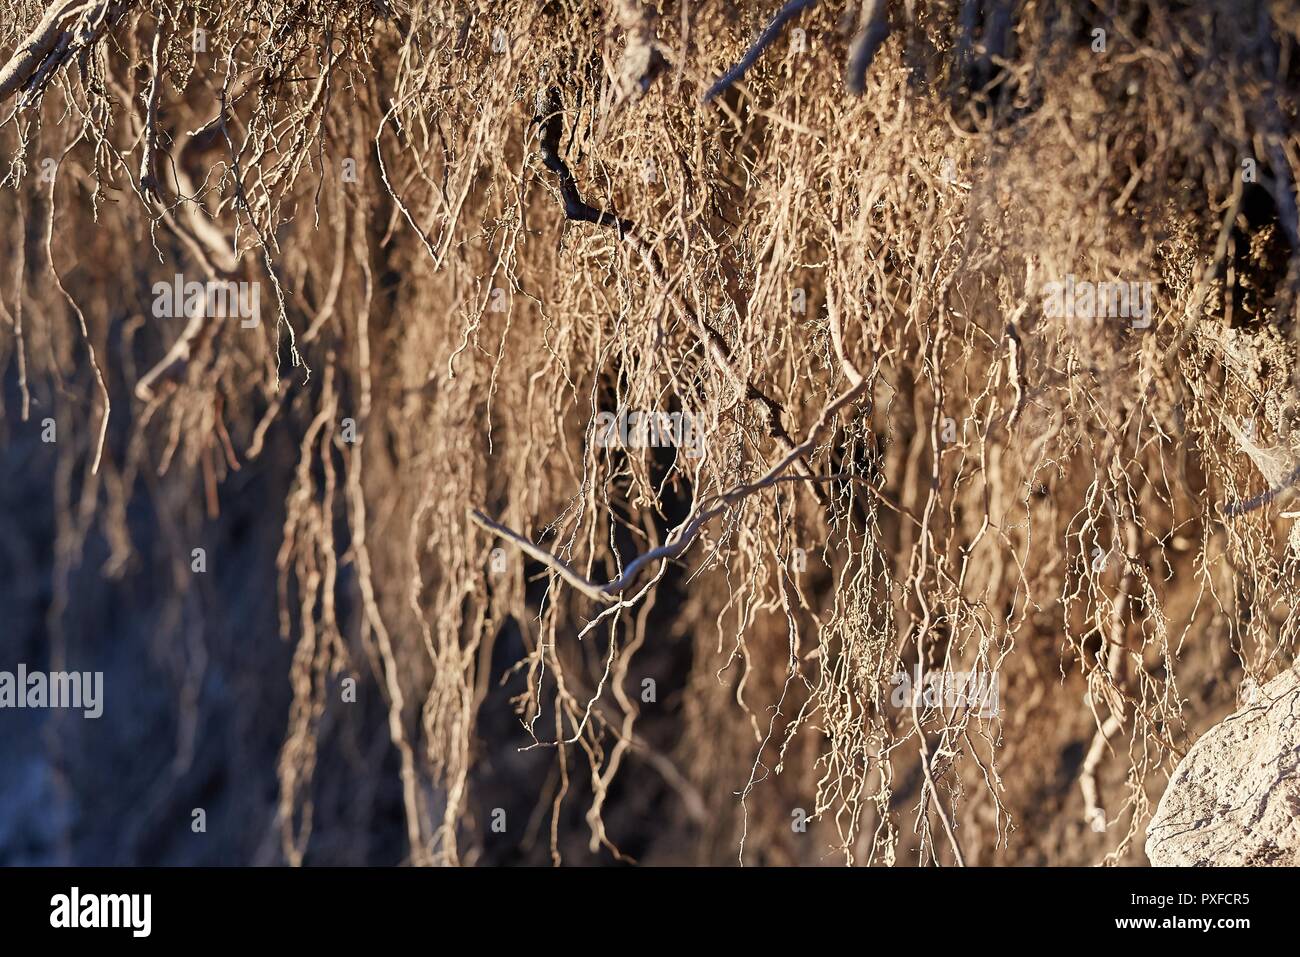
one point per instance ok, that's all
(641, 401)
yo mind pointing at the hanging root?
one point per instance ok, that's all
(893, 464)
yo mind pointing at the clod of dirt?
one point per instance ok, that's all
(1235, 798)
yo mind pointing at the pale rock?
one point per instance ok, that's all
(1235, 798)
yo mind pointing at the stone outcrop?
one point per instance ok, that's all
(1235, 798)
